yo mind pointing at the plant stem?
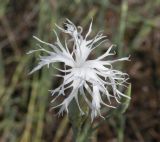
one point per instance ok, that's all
(120, 127)
(78, 122)
(122, 27)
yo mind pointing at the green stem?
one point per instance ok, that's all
(122, 27)
(120, 127)
(80, 123)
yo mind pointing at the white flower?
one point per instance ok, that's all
(83, 76)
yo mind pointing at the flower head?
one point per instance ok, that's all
(82, 76)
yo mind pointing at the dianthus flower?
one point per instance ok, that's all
(95, 79)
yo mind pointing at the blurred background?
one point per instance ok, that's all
(133, 25)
